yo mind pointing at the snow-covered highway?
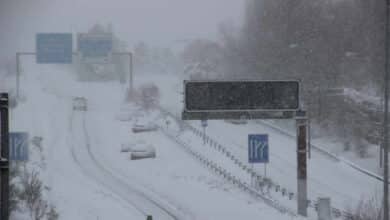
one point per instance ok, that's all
(88, 178)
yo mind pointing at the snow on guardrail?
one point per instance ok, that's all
(219, 170)
(264, 184)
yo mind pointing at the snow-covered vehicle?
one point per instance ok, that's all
(237, 121)
(143, 155)
(80, 104)
(139, 150)
(136, 147)
(137, 128)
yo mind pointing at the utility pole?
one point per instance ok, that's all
(4, 157)
(301, 123)
(385, 121)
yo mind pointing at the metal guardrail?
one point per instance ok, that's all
(219, 170)
(265, 184)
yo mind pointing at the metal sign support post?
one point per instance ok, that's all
(131, 86)
(4, 157)
(301, 122)
(204, 135)
(18, 70)
(204, 125)
(253, 181)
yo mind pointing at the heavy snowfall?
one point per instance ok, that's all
(99, 89)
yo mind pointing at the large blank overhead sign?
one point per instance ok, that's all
(236, 99)
(54, 48)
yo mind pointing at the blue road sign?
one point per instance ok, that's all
(204, 123)
(258, 149)
(54, 48)
(95, 45)
(18, 143)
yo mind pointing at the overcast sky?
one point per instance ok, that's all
(157, 22)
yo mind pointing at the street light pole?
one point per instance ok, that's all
(385, 121)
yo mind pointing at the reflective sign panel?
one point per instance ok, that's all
(18, 143)
(54, 48)
(95, 47)
(258, 148)
(241, 95)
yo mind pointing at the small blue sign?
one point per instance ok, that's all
(18, 144)
(258, 149)
(204, 123)
(54, 48)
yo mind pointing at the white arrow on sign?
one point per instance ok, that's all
(258, 149)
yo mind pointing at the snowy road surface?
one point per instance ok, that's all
(82, 152)
(88, 178)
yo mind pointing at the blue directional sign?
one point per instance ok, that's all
(95, 46)
(18, 143)
(258, 148)
(204, 123)
(54, 48)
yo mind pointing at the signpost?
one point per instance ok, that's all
(51, 48)
(258, 151)
(54, 48)
(18, 146)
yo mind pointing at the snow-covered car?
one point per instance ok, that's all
(80, 104)
(139, 150)
(143, 154)
(237, 121)
(137, 128)
(136, 147)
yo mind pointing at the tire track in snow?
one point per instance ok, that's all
(87, 173)
(149, 206)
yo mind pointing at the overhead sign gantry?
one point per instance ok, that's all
(208, 100)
